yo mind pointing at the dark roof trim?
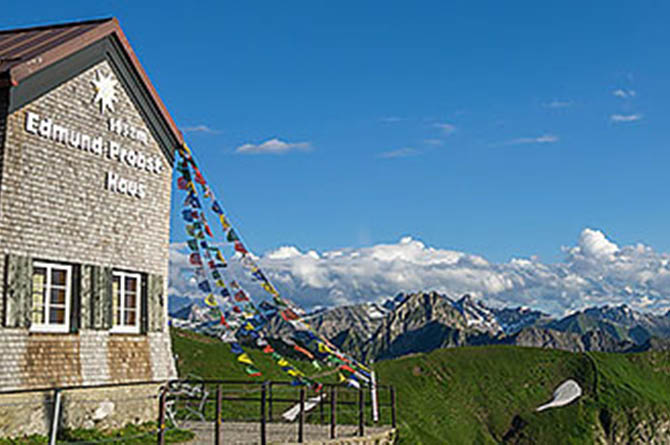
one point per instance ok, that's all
(56, 25)
(62, 56)
(65, 69)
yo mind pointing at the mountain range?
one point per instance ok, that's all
(424, 321)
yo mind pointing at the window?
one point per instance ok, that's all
(51, 291)
(126, 301)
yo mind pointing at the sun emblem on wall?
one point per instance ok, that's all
(105, 93)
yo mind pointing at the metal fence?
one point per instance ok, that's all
(218, 411)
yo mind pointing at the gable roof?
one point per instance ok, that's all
(28, 51)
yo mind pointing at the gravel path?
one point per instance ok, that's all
(238, 433)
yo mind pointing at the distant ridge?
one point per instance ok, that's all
(424, 321)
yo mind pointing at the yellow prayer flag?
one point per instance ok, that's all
(283, 362)
(244, 358)
(323, 348)
(269, 288)
(210, 301)
(224, 222)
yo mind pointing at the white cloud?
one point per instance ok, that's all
(595, 271)
(624, 94)
(558, 104)
(200, 128)
(544, 139)
(445, 127)
(273, 146)
(399, 153)
(392, 119)
(617, 118)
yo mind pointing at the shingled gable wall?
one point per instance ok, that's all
(54, 206)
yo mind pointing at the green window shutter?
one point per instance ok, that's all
(18, 288)
(144, 304)
(75, 306)
(107, 298)
(86, 296)
(101, 303)
(156, 303)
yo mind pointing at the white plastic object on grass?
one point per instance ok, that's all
(292, 413)
(567, 392)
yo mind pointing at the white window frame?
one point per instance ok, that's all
(46, 326)
(123, 328)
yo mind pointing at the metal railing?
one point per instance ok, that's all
(217, 409)
(332, 406)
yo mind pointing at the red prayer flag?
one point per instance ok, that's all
(208, 230)
(304, 351)
(241, 296)
(288, 315)
(182, 183)
(198, 176)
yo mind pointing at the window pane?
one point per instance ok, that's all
(131, 300)
(39, 278)
(117, 318)
(38, 314)
(130, 318)
(56, 315)
(116, 296)
(57, 296)
(131, 284)
(58, 277)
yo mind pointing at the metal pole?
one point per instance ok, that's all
(270, 401)
(56, 418)
(301, 421)
(321, 397)
(361, 411)
(161, 416)
(373, 398)
(393, 413)
(218, 440)
(333, 411)
(263, 420)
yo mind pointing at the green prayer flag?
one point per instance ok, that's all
(232, 236)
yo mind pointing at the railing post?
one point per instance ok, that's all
(333, 411)
(218, 440)
(270, 401)
(321, 397)
(301, 421)
(393, 413)
(56, 417)
(263, 420)
(161, 416)
(361, 411)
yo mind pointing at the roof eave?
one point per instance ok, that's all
(110, 27)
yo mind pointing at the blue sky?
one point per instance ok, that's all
(502, 129)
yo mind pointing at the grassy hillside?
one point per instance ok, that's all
(488, 395)
(208, 358)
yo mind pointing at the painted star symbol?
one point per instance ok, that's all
(105, 92)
